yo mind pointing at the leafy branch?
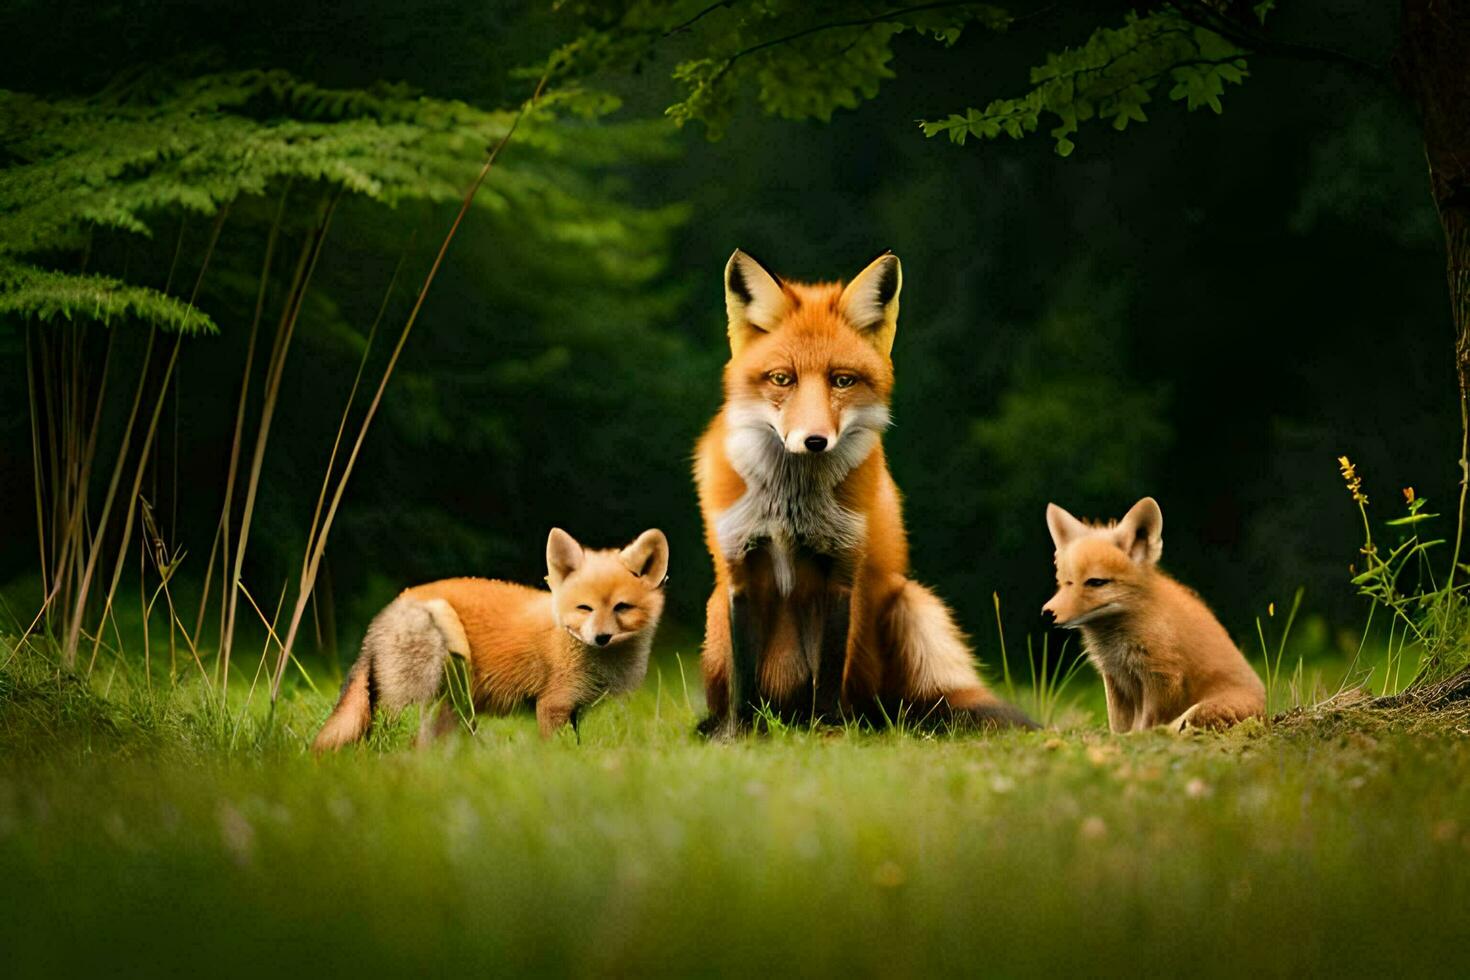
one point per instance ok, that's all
(1204, 16)
(806, 58)
(1111, 76)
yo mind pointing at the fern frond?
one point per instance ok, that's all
(48, 295)
(150, 147)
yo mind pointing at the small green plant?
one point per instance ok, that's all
(459, 692)
(1428, 619)
(768, 719)
(1294, 690)
(1049, 678)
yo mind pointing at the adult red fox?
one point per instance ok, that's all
(813, 612)
(559, 650)
(1164, 657)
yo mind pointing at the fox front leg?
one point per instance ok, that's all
(1122, 701)
(752, 582)
(827, 678)
(554, 712)
(744, 668)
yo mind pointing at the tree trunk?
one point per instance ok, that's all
(1433, 65)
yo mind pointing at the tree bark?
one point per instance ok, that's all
(1433, 66)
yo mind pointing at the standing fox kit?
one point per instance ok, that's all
(813, 611)
(1163, 656)
(559, 650)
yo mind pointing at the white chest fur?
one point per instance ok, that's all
(1114, 652)
(790, 499)
(617, 670)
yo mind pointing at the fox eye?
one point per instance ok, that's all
(844, 380)
(585, 608)
(780, 379)
(622, 607)
(1097, 583)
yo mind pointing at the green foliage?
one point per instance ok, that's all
(1072, 415)
(136, 150)
(1110, 77)
(150, 147)
(1426, 617)
(559, 267)
(804, 59)
(1358, 173)
(48, 294)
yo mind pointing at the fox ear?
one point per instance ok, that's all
(1063, 526)
(1141, 532)
(648, 557)
(563, 556)
(754, 300)
(870, 301)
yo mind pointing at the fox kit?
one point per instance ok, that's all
(1163, 656)
(559, 650)
(813, 611)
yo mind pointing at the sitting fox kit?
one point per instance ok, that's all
(813, 612)
(559, 650)
(1164, 657)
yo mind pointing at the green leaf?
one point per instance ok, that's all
(1411, 519)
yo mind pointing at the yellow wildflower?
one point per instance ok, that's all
(1351, 478)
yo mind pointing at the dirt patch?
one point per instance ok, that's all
(1440, 708)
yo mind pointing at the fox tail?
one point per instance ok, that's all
(938, 664)
(353, 715)
(402, 663)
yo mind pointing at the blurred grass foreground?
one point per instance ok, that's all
(141, 835)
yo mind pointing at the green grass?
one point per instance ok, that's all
(134, 840)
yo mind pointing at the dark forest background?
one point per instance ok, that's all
(1209, 310)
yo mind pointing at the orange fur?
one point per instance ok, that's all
(1164, 657)
(557, 650)
(352, 716)
(805, 539)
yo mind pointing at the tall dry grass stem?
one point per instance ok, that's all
(94, 553)
(285, 328)
(222, 530)
(152, 433)
(318, 546)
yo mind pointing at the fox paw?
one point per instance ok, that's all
(1207, 716)
(994, 716)
(720, 729)
(716, 728)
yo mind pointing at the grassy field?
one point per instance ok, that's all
(138, 837)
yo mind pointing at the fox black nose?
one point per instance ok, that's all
(1048, 617)
(603, 638)
(815, 444)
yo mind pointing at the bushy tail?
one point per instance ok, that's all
(935, 657)
(402, 663)
(353, 716)
(937, 663)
